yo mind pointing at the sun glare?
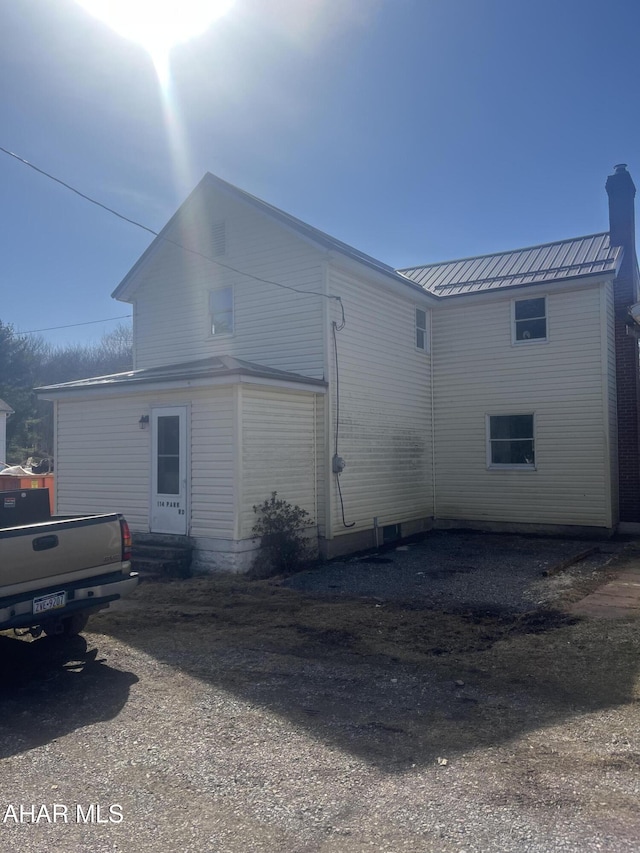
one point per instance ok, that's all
(158, 25)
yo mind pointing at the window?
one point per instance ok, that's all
(511, 442)
(530, 319)
(169, 455)
(421, 329)
(221, 311)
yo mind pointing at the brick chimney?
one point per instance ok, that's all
(621, 191)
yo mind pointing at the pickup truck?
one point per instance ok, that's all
(56, 571)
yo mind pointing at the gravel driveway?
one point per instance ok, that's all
(457, 569)
(217, 715)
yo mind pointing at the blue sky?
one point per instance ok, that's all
(415, 130)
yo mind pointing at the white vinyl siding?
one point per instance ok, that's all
(103, 458)
(278, 451)
(273, 326)
(478, 372)
(611, 402)
(213, 485)
(385, 408)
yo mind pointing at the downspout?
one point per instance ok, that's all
(327, 408)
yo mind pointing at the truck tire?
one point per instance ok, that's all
(70, 626)
(75, 624)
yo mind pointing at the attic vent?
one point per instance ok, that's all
(219, 238)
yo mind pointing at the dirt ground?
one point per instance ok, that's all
(227, 715)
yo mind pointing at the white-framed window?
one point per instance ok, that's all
(421, 329)
(529, 320)
(221, 311)
(511, 441)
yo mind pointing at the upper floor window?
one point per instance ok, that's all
(221, 311)
(530, 319)
(421, 329)
(511, 442)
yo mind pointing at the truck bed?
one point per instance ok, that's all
(56, 571)
(64, 546)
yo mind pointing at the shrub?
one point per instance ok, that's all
(281, 527)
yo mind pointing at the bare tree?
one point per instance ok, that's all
(29, 362)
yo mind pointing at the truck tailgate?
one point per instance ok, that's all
(57, 547)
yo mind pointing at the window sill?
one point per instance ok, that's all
(529, 342)
(511, 468)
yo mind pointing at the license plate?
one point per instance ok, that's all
(53, 601)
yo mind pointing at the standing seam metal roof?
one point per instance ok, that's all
(573, 258)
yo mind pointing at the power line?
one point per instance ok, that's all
(74, 190)
(167, 239)
(73, 325)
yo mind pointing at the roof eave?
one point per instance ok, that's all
(557, 283)
(317, 386)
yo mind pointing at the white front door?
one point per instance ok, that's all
(169, 470)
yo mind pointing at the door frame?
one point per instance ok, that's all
(183, 410)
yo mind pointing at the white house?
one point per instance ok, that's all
(498, 392)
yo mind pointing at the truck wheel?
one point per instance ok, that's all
(74, 624)
(70, 626)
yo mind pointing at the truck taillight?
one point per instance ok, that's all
(126, 540)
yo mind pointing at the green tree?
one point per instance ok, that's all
(29, 362)
(20, 361)
(113, 354)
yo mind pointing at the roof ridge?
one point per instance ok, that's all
(403, 270)
(278, 211)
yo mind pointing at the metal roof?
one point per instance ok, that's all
(550, 262)
(205, 368)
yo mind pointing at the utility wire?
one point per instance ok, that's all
(73, 325)
(74, 190)
(167, 239)
(337, 327)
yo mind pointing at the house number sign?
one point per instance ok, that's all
(173, 504)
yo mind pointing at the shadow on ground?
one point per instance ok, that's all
(395, 685)
(53, 686)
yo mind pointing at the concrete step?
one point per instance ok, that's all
(162, 552)
(161, 556)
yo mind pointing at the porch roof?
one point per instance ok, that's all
(205, 368)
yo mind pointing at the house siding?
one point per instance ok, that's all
(213, 480)
(104, 460)
(279, 445)
(478, 371)
(384, 429)
(272, 325)
(612, 400)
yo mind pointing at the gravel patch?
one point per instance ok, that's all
(494, 572)
(220, 715)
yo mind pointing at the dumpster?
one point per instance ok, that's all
(24, 480)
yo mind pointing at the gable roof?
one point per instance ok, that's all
(5, 407)
(550, 262)
(204, 368)
(292, 223)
